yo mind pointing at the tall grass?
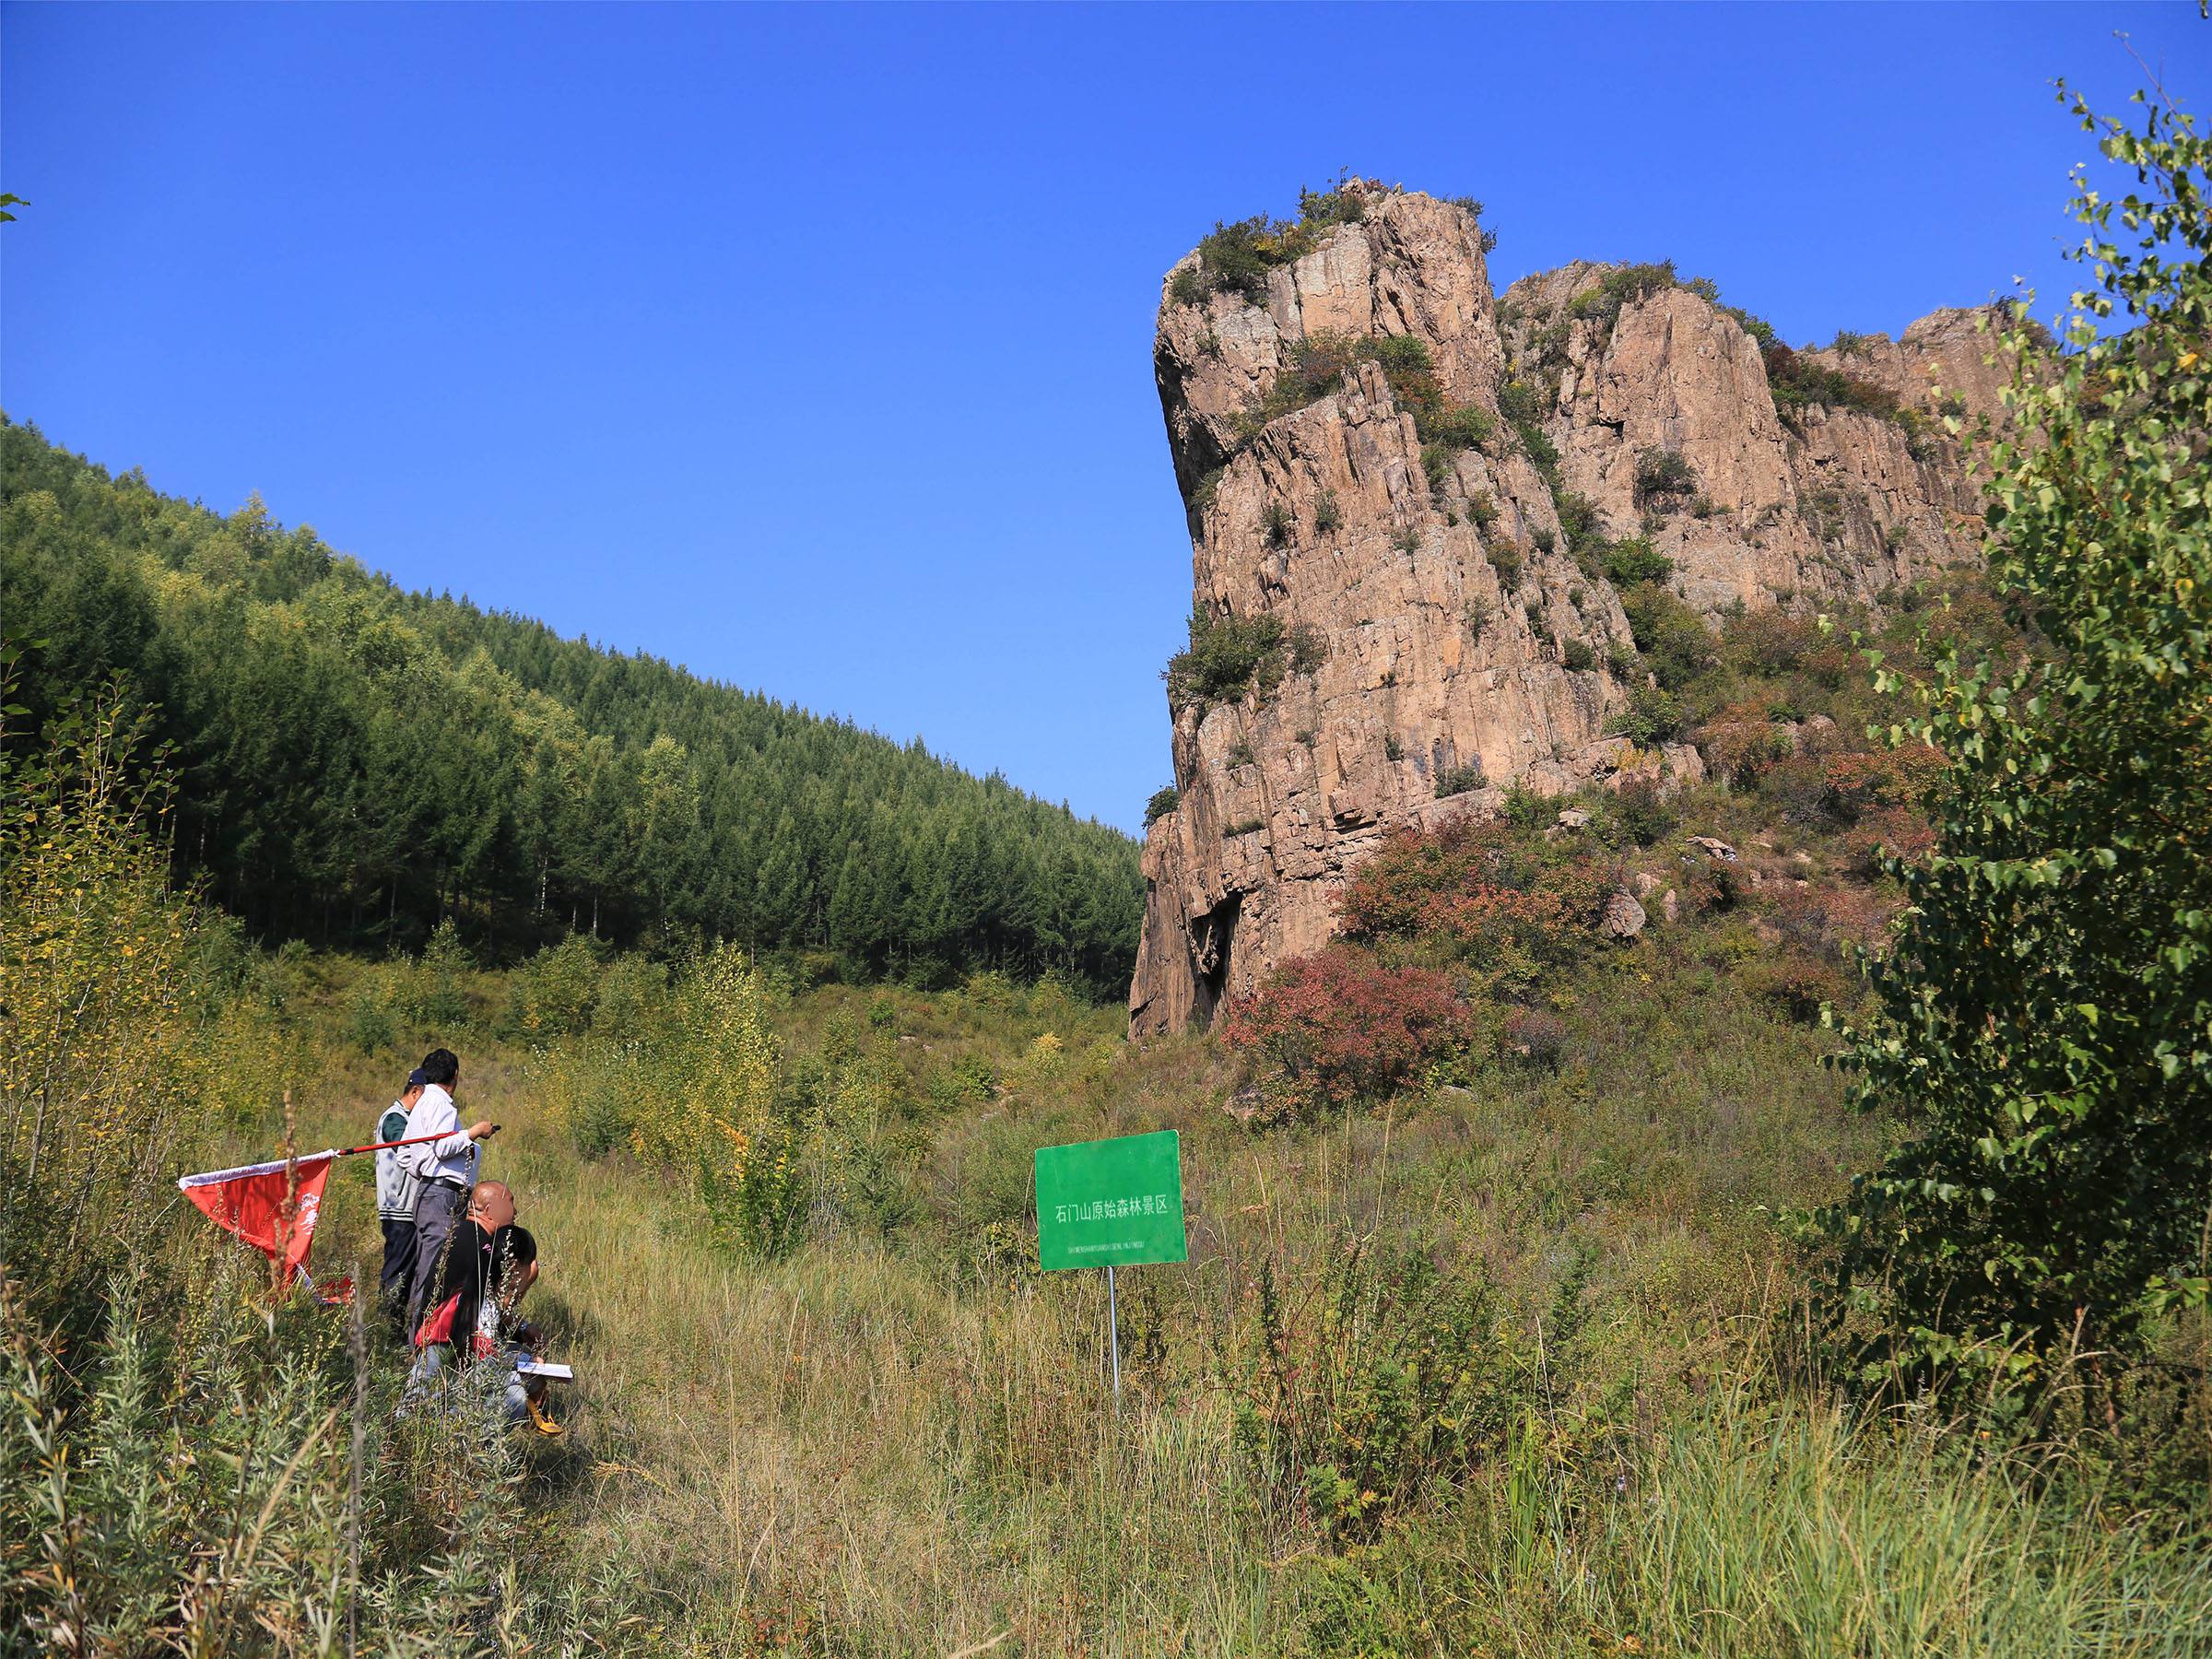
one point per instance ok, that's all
(1485, 1369)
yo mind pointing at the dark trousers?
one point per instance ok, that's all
(437, 1209)
(399, 1264)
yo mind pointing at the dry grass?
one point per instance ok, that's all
(909, 1447)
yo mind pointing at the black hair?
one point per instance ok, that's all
(440, 1067)
(515, 1243)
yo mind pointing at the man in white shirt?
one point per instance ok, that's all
(446, 1167)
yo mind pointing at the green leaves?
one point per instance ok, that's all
(2045, 1017)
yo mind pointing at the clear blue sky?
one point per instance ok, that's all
(811, 347)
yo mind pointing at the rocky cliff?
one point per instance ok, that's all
(1416, 508)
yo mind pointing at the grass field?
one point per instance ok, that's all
(902, 1441)
(1512, 1357)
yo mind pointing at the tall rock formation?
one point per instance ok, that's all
(1411, 557)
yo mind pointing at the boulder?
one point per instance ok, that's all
(1622, 917)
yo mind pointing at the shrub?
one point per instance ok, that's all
(1407, 541)
(1798, 987)
(1436, 466)
(1633, 560)
(1392, 749)
(1578, 517)
(1769, 642)
(1235, 258)
(1462, 425)
(551, 996)
(1663, 473)
(1652, 717)
(1309, 648)
(1543, 454)
(1458, 780)
(1533, 1038)
(1240, 754)
(1578, 657)
(1674, 642)
(1740, 742)
(1384, 1384)
(1320, 209)
(370, 1027)
(1642, 813)
(1759, 328)
(629, 988)
(106, 1065)
(1164, 800)
(1624, 286)
(1506, 559)
(1850, 787)
(432, 999)
(1336, 1027)
(1505, 906)
(1525, 809)
(1796, 381)
(1225, 659)
(1520, 403)
(1244, 827)
(1327, 516)
(1276, 524)
(1317, 366)
(1477, 616)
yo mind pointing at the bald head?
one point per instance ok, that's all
(493, 1207)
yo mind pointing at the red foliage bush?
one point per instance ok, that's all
(1507, 907)
(1822, 920)
(1338, 1027)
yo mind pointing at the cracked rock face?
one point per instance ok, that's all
(1455, 640)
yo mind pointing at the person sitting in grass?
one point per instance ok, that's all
(489, 1264)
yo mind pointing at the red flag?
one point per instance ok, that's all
(249, 1202)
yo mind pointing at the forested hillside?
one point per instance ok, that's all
(358, 762)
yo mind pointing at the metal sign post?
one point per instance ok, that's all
(1108, 1203)
(1113, 1333)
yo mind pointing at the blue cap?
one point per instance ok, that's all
(415, 1080)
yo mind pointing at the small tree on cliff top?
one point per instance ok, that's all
(2045, 1017)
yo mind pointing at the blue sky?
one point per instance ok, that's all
(810, 348)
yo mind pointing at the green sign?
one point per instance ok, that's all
(1110, 1202)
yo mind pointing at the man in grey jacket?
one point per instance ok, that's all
(446, 1167)
(396, 1195)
